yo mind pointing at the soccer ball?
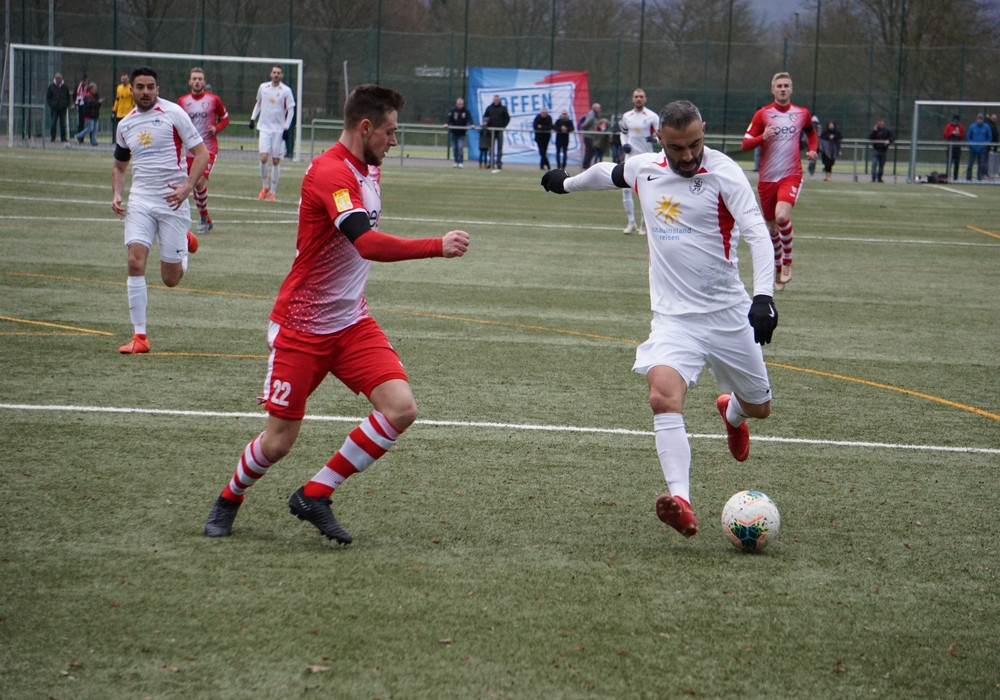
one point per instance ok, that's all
(750, 520)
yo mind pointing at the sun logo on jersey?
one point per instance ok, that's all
(145, 139)
(668, 210)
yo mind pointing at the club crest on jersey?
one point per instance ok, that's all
(342, 198)
(697, 186)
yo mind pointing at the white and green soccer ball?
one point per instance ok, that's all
(750, 520)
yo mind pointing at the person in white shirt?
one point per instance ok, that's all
(697, 203)
(158, 206)
(272, 116)
(638, 134)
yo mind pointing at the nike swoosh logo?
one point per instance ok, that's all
(770, 312)
(650, 178)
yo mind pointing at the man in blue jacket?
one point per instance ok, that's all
(978, 135)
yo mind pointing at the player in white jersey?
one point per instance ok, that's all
(150, 137)
(638, 126)
(210, 117)
(272, 115)
(697, 203)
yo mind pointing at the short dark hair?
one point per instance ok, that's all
(371, 102)
(678, 114)
(143, 70)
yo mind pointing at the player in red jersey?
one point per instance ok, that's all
(210, 117)
(320, 323)
(777, 129)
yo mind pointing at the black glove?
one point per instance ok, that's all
(627, 147)
(252, 124)
(652, 140)
(763, 318)
(553, 181)
(284, 135)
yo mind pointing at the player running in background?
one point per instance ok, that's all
(272, 115)
(158, 206)
(210, 117)
(777, 129)
(320, 323)
(638, 126)
(697, 202)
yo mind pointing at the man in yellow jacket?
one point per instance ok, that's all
(123, 104)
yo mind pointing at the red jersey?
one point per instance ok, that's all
(779, 156)
(206, 110)
(325, 291)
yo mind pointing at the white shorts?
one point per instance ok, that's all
(722, 339)
(271, 143)
(151, 218)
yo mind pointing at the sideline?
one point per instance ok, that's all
(501, 426)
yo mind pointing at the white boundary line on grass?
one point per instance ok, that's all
(479, 424)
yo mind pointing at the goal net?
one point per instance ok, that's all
(30, 68)
(931, 153)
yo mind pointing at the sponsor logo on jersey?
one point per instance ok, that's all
(145, 139)
(668, 210)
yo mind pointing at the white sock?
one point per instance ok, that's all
(138, 299)
(674, 452)
(275, 174)
(735, 414)
(629, 205)
(263, 175)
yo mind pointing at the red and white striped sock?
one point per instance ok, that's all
(366, 443)
(776, 244)
(251, 467)
(786, 236)
(201, 200)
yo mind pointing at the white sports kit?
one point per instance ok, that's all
(272, 113)
(157, 139)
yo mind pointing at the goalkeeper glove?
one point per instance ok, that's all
(284, 135)
(627, 147)
(652, 140)
(763, 318)
(553, 181)
(252, 124)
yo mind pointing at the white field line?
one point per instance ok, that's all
(503, 426)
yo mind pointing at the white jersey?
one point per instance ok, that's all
(637, 127)
(274, 108)
(156, 140)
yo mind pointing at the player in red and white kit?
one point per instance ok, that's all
(150, 137)
(697, 203)
(777, 129)
(210, 117)
(320, 323)
(638, 134)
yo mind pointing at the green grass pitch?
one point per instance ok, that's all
(507, 546)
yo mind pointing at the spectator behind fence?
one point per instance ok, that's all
(543, 134)
(563, 128)
(829, 148)
(58, 99)
(496, 118)
(978, 135)
(458, 122)
(954, 133)
(589, 123)
(881, 138)
(91, 114)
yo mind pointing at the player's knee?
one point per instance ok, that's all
(403, 416)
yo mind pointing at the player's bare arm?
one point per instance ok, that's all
(117, 185)
(179, 193)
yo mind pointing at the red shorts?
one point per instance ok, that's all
(360, 356)
(208, 168)
(784, 190)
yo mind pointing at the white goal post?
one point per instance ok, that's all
(27, 82)
(925, 136)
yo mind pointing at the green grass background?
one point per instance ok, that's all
(492, 560)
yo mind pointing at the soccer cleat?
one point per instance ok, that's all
(205, 225)
(192, 242)
(270, 196)
(630, 228)
(677, 513)
(317, 511)
(263, 193)
(738, 438)
(642, 228)
(221, 517)
(786, 273)
(138, 344)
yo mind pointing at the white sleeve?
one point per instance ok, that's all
(625, 129)
(256, 107)
(596, 177)
(741, 202)
(289, 107)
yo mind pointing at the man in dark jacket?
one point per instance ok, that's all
(881, 138)
(58, 99)
(495, 120)
(563, 128)
(459, 120)
(543, 134)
